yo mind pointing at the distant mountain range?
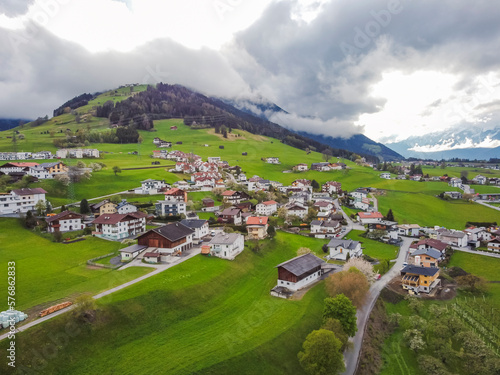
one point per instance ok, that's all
(464, 143)
(358, 143)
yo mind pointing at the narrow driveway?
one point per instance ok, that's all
(484, 203)
(159, 268)
(351, 357)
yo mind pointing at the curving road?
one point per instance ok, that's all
(351, 357)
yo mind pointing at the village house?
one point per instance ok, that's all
(302, 183)
(323, 206)
(65, 221)
(119, 226)
(418, 279)
(176, 195)
(21, 200)
(266, 208)
(13, 167)
(234, 197)
(103, 207)
(214, 159)
(455, 238)
(332, 187)
(326, 227)
(425, 257)
(453, 194)
(230, 216)
(478, 234)
(456, 182)
(160, 154)
(322, 167)
(124, 207)
(131, 252)
(227, 245)
(359, 199)
(297, 273)
(171, 206)
(257, 227)
(390, 227)
(77, 153)
(479, 180)
(55, 168)
(494, 244)
(168, 239)
(369, 217)
(151, 186)
(385, 175)
(339, 249)
(200, 227)
(273, 160)
(296, 209)
(301, 167)
(409, 230)
(429, 243)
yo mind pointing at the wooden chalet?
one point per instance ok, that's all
(171, 238)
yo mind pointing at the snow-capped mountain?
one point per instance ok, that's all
(465, 143)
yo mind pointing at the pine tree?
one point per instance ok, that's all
(390, 215)
(84, 207)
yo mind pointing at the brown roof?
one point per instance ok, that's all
(116, 218)
(152, 255)
(228, 193)
(370, 215)
(268, 203)
(436, 244)
(28, 191)
(61, 215)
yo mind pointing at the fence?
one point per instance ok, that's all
(91, 262)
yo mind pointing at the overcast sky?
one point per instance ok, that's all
(389, 69)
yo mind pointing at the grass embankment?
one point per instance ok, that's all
(205, 315)
(48, 271)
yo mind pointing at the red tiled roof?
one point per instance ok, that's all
(257, 220)
(228, 193)
(370, 215)
(268, 203)
(116, 218)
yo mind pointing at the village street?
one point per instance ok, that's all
(351, 357)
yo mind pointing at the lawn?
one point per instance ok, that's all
(427, 210)
(372, 248)
(48, 271)
(205, 315)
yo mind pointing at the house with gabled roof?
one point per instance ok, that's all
(299, 272)
(234, 197)
(427, 243)
(370, 217)
(410, 230)
(419, 279)
(227, 245)
(119, 226)
(21, 200)
(425, 257)
(452, 237)
(302, 167)
(103, 207)
(494, 244)
(339, 249)
(125, 207)
(326, 227)
(230, 215)
(199, 226)
(168, 239)
(266, 208)
(65, 221)
(257, 227)
(332, 187)
(296, 209)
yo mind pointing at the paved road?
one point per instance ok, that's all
(493, 255)
(159, 268)
(350, 224)
(351, 357)
(484, 203)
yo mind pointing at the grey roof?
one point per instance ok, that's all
(49, 165)
(346, 244)
(231, 211)
(173, 231)
(301, 264)
(449, 233)
(225, 238)
(133, 248)
(193, 223)
(325, 223)
(122, 204)
(419, 270)
(436, 254)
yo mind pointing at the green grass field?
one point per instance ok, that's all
(372, 248)
(48, 271)
(205, 315)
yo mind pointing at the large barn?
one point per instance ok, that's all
(170, 238)
(299, 272)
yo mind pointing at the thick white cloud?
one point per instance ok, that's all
(390, 69)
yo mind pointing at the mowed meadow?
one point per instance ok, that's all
(206, 315)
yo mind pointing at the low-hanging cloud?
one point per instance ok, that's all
(12, 8)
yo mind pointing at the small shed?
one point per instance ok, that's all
(152, 257)
(131, 252)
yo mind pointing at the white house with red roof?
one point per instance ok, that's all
(257, 227)
(119, 226)
(370, 217)
(266, 208)
(332, 187)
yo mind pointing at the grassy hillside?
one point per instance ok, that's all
(206, 315)
(48, 271)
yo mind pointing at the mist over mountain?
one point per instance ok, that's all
(465, 143)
